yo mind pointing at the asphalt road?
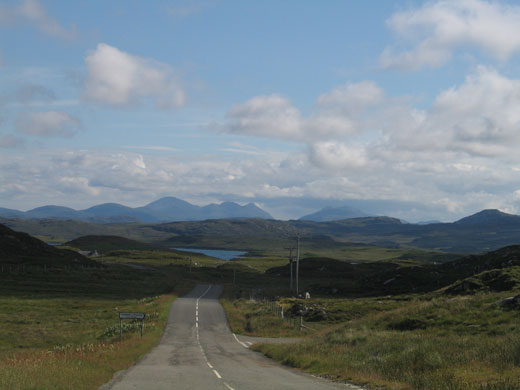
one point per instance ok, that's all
(199, 351)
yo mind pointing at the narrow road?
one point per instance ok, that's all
(199, 351)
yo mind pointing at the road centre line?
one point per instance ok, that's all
(200, 345)
(229, 387)
(205, 292)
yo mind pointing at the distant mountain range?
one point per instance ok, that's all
(335, 214)
(166, 209)
(484, 231)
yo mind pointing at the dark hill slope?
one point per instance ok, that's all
(65, 230)
(105, 244)
(489, 218)
(231, 227)
(498, 271)
(482, 232)
(474, 264)
(21, 248)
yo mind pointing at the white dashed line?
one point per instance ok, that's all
(229, 387)
(200, 345)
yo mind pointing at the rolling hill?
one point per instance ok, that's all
(103, 244)
(492, 271)
(21, 249)
(482, 232)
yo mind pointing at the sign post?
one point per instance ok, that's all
(130, 316)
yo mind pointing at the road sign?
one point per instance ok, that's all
(130, 316)
(137, 316)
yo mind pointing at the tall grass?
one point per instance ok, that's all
(84, 365)
(428, 342)
(407, 360)
(254, 318)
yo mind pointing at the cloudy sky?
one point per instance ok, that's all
(405, 108)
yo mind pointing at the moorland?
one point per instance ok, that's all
(393, 305)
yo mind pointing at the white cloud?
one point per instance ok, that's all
(448, 189)
(352, 97)
(32, 11)
(337, 156)
(153, 147)
(77, 185)
(455, 155)
(47, 124)
(356, 123)
(440, 27)
(336, 114)
(479, 118)
(119, 78)
(483, 109)
(266, 116)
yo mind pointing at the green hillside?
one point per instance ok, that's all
(104, 244)
(21, 249)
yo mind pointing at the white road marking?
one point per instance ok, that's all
(200, 345)
(205, 292)
(249, 343)
(229, 387)
(240, 342)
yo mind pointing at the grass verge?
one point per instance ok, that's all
(92, 352)
(414, 342)
(256, 319)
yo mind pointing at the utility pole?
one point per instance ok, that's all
(290, 266)
(297, 262)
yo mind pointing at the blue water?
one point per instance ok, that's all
(219, 254)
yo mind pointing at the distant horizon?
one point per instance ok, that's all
(244, 204)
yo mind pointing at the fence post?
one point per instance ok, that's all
(301, 323)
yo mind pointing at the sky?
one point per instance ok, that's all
(403, 108)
